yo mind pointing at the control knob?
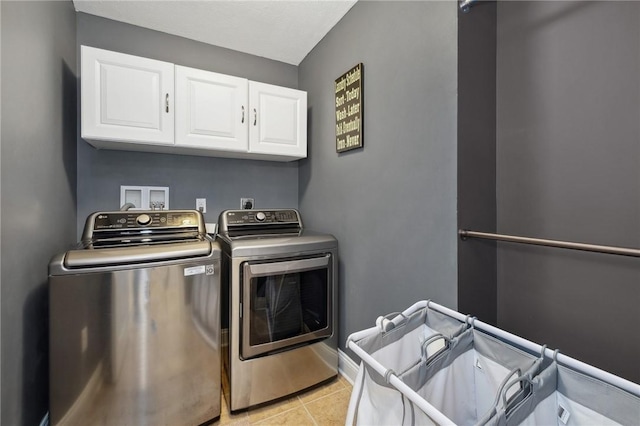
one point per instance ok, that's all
(143, 219)
(260, 216)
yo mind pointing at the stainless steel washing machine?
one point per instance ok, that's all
(280, 281)
(135, 322)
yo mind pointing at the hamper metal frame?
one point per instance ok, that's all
(383, 324)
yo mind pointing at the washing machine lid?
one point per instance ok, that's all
(130, 237)
(87, 257)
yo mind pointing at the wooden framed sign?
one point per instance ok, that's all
(349, 96)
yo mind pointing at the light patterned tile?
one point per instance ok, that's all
(330, 410)
(227, 418)
(297, 416)
(270, 410)
(345, 382)
(305, 409)
(324, 390)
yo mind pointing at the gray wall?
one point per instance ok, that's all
(477, 276)
(221, 181)
(568, 168)
(391, 204)
(38, 189)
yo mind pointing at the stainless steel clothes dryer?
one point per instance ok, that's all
(135, 322)
(280, 281)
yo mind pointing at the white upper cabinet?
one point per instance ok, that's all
(139, 104)
(211, 110)
(126, 98)
(278, 120)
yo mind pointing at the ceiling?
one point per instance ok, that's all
(282, 30)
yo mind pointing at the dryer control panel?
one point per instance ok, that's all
(257, 220)
(252, 217)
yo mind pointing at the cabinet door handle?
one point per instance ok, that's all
(166, 103)
(242, 121)
(255, 116)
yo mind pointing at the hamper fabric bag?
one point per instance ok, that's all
(564, 397)
(465, 381)
(427, 366)
(373, 400)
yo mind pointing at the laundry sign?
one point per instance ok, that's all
(349, 94)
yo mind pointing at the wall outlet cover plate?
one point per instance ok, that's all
(247, 203)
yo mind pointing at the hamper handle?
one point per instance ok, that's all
(386, 322)
(431, 340)
(527, 377)
(502, 390)
(524, 378)
(400, 317)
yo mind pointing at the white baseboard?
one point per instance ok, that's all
(347, 367)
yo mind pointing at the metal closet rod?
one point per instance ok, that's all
(622, 251)
(465, 5)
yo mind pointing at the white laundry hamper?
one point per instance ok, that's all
(562, 396)
(397, 346)
(432, 365)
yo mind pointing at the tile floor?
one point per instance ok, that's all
(325, 405)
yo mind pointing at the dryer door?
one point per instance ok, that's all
(285, 303)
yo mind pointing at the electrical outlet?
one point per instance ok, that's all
(247, 203)
(201, 204)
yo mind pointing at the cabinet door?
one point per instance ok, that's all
(277, 121)
(126, 98)
(211, 110)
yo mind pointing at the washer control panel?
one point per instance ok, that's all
(148, 219)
